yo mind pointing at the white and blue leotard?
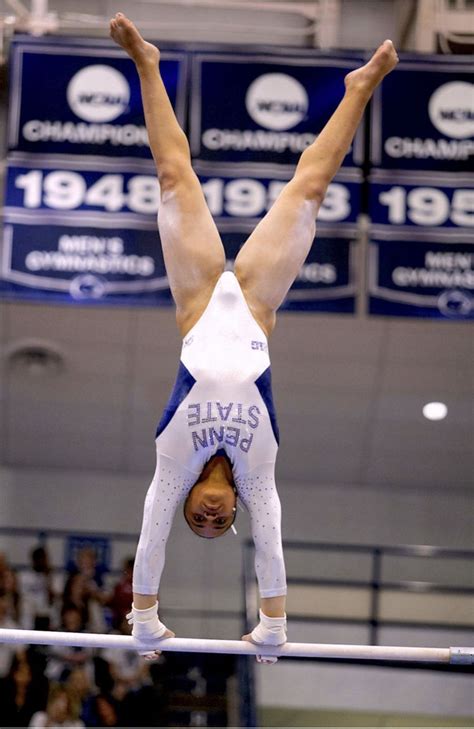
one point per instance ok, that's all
(221, 402)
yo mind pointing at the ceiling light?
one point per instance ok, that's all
(35, 358)
(435, 410)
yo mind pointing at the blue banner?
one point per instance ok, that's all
(236, 192)
(80, 230)
(84, 259)
(422, 200)
(65, 259)
(92, 184)
(423, 116)
(83, 98)
(99, 546)
(87, 184)
(264, 109)
(82, 196)
(415, 274)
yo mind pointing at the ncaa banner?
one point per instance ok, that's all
(265, 109)
(239, 192)
(88, 184)
(423, 116)
(327, 280)
(83, 98)
(421, 200)
(95, 184)
(421, 275)
(71, 258)
(80, 230)
(83, 260)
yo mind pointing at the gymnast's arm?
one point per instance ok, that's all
(257, 490)
(171, 482)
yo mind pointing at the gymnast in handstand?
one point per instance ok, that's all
(218, 436)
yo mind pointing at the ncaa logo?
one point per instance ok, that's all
(277, 101)
(98, 93)
(451, 109)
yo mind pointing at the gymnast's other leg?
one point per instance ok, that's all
(192, 248)
(271, 258)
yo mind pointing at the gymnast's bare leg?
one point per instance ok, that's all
(271, 258)
(192, 249)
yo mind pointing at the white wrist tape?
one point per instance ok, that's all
(146, 624)
(271, 631)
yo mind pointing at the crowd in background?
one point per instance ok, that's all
(72, 687)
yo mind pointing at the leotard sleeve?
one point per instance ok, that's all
(257, 491)
(171, 483)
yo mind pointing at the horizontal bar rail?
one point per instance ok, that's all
(240, 647)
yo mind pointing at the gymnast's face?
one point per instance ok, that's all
(211, 504)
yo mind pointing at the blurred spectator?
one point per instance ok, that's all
(86, 565)
(122, 596)
(84, 595)
(21, 695)
(82, 691)
(61, 711)
(106, 711)
(7, 652)
(76, 596)
(84, 590)
(91, 688)
(63, 659)
(9, 586)
(37, 596)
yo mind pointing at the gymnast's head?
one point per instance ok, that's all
(211, 505)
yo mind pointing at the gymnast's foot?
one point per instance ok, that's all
(126, 35)
(368, 77)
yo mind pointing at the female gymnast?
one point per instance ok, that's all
(218, 436)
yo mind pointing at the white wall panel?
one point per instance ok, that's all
(355, 688)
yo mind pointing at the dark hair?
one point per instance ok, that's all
(82, 612)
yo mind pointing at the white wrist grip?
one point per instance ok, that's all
(271, 631)
(146, 624)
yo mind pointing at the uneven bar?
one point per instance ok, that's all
(240, 647)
